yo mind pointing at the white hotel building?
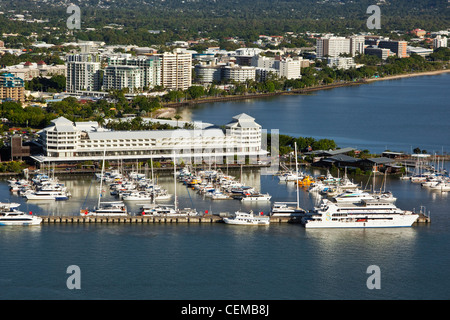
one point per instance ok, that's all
(65, 141)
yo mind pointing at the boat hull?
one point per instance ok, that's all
(31, 222)
(264, 222)
(401, 221)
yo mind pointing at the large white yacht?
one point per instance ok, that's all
(247, 218)
(368, 213)
(12, 217)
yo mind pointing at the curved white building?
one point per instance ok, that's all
(65, 141)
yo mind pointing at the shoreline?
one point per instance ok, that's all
(411, 75)
(170, 108)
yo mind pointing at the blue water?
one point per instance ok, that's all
(218, 261)
(398, 115)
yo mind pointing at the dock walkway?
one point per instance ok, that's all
(160, 219)
(148, 219)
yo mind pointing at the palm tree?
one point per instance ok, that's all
(177, 117)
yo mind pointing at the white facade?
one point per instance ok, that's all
(332, 46)
(341, 63)
(119, 77)
(440, 41)
(81, 141)
(238, 73)
(149, 67)
(176, 70)
(288, 68)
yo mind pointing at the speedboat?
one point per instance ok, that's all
(247, 218)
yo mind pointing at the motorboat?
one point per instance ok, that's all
(247, 218)
(107, 209)
(137, 196)
(285, 209)
(256, 197)
(47, 195)
(352, 196)
(13, 217)
(157, 210)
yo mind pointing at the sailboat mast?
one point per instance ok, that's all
(296, 172)
(175, 182)
(101, 178)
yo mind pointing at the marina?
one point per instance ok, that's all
(200, 257)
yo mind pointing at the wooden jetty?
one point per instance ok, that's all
(147, 219)
(169, 219)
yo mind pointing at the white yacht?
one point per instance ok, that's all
(107, 209)
(290, 176)
(47, 195)
(283, 209)
(247, 218)
(365, 214)
(256, 197)
(13, 217)
(137, 196)
(157, 210)
(352, 196)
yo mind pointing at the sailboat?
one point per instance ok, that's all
(283, 209)
(166, 210)
(106, 209)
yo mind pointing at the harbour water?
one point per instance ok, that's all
(221, 262)
(398, 115)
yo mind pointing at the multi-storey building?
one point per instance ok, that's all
(11, 88)
(381, 53)
(440, 41)
(66, 141)
(232, 72)
(149, 67)
(83, 72)
(176, 70)
(397, 47)
(118, 77)
(329, 46)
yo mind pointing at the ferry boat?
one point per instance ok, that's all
(107, 209)
(368, 213)
(247, 218)
(13, 217)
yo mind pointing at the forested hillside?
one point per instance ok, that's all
(129, 21)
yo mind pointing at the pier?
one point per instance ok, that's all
(147, 219)
(208, 219)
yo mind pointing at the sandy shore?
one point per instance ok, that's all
(409, 75)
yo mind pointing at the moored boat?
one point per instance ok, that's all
(247, 218)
